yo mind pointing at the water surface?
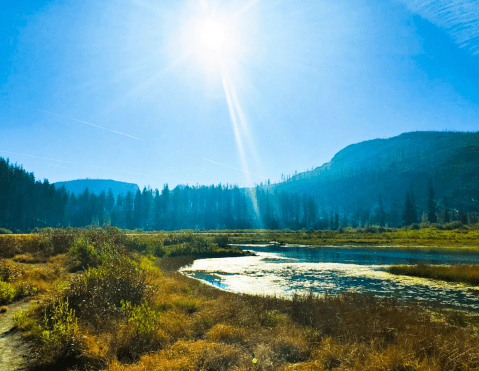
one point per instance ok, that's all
(285, 270)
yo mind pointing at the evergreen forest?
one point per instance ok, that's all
(27, 203)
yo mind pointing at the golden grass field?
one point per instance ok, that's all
(104, 301)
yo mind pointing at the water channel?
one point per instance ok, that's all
(283, 271)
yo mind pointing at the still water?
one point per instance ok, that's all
(283, 271)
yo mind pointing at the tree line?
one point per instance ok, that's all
(26, 203)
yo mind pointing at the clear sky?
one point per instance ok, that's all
(238, 92)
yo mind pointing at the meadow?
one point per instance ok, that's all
(425, 237)
(104, 300)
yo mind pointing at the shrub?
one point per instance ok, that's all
(5, 231)
(85, 253)
(142, 317)
(24, 289)
(142, 335)
(9, 271)
(60, 328)
(453, 225)
(222, 240)
(370, 229)
(7, 293)
(187, 304)
(98, 293)
(93, 253)
(9, 246)
(59, 240)
(56, 241)
(159, 251)
(24, 320)
(270, 318)
(190, 243)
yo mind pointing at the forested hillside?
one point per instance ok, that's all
(423, 176)
(366, 179)
(26, 203)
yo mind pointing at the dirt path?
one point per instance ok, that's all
(13, 349)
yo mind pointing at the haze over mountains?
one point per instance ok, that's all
(365, 183)
(361, 173)
(97, 186)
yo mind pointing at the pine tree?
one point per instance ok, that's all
(431, 204)
(382, 214)
(447, 216)
(409, 214)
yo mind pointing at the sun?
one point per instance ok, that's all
(213, 35)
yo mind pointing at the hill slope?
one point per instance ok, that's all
(359, 174)
(97, 186)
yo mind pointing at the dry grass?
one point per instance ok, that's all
(462, 273)
(430, 237)
(29, 258)
(175, 323)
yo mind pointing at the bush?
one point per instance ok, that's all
(9, 271)
(10, 246)
(99, 292)
(7, 293)
(91, 253)
(370, 229)
(5, 231)
(56, 241)
(143, 318)
(195, 242)
(222, 240)
(60, 329)
(453, 225)
(24, 289)
(59, 240)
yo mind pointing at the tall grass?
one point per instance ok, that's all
(125, 313)
(461, 273)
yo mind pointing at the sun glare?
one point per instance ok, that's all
(213, 35)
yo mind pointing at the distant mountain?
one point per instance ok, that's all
(97, 186)
(361, 173)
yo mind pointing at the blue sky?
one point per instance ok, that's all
(128, 90)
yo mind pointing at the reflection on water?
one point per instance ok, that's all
(283, 271)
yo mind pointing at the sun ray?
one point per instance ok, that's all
(242, 121)
(234, 120)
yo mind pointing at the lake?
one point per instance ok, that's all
(283, 271)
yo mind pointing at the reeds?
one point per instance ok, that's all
(460, 273)
(126, 314)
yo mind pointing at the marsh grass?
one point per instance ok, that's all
(468, 274)
(135, 312)
(19, 280)
(431, 236)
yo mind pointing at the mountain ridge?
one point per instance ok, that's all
(97, 186)
(361, 173)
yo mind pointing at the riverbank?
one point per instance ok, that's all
(468, 274)
(427, 238)
(132, 311)
(464, 239)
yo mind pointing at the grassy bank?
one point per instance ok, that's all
(159, 243)
(468, 274)
(116, 306)
(466, 239)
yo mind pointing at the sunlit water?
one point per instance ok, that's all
(283, 271)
